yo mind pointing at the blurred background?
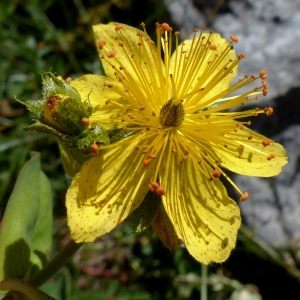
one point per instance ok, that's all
(38, 36)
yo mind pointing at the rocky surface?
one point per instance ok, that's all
(269, 34)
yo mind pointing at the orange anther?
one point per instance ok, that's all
(68, 80)
(242, 55)
(146, 163)
(160, 191)
(153, 186)
(111, 53)
(94, 148)
(269, 111)
(272, 155)
(244, 197)
(265, 92)
(195, 30)
(177, 33)
(151, 156)
(165, 26)
(217, 173)
(212, 47)
(85, 122)
(101, 44)
(234, 38)
(265, 84)
(118, 27)
(266, 143)
(269, 157)
(107, 101)
(250, 137)
(263, 74)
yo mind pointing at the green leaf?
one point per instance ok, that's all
(26, 233)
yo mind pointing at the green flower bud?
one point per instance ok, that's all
(63, 108)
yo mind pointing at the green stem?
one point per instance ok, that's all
(23, 287)
(203, 282)
(55, 264)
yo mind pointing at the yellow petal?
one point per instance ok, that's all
(106, 191)
(253, 160)
(165, 231)
(193, 70)
(202, 214)
(92, 87)
(136, 60)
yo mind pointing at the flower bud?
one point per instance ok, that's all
(63, 109)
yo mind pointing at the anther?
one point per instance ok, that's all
(269, 111)
(234, 38)
(263, 74)
(212, 47)
(151, 156)
(68, 80)
(107, 101)
(153, 186)
(195, 30)
(137, 147)
(143, 24)
(85, 122)
(94, 148)
(160, 191)
(242, 55)
(118, 27)
(101, 44)
(250, 137)
(177, 33)
(165, 26)
(217, 173)
(266, 143)
(244, 197)
(272, 155)
(265, 92)
(269, 158)
(111, 53)
(146, 163)
(120, 44)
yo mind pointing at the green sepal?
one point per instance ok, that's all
(26, 232)
(94, 135)
(144, 215)
(116, 135)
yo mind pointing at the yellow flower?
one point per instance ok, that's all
(181, 137)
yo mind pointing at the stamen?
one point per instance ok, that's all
(244, 197)
(94, 148)
(85, 122)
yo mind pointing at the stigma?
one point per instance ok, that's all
(172, 113)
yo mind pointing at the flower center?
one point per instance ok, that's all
(172, 113)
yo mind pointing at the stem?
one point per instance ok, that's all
(14, 284)
(56, 263)
(203, 282)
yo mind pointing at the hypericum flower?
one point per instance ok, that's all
(181, 137)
